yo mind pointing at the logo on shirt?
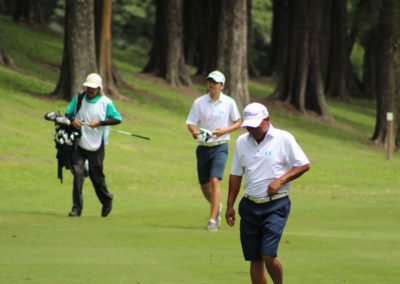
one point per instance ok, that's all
(268, 153)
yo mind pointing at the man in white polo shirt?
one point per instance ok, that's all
(269, 158)
(212, 117)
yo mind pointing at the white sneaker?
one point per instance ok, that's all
(212, 226)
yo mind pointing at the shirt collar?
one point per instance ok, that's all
(270, 133)
(94, 100)
(220, 99)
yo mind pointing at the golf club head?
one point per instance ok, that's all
(51, 115)
(63, 120)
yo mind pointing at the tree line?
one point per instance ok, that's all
(309, 54)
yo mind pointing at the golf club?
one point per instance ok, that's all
(132, 134)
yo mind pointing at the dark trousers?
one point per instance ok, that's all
(96, 175)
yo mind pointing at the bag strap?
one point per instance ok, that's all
(81, 94)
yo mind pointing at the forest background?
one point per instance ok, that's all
(314, 50)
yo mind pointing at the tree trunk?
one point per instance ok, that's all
(386, 67)
(167, 56)
(5, 59)
(7, 6)
(232, 49)
(279, 37)
(79, 55)
(253, 72)
(192, 30)
(201, 20)
(103, 44)
(301, 81)
(336, 81)
(33, 11)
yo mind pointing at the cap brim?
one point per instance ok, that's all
(215, 80)
(91, 85)
(254, 123)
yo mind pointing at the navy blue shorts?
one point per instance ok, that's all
(211, 162)
(261, 226)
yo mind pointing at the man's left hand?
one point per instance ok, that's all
(94, 123)
(219, 132)
(274, 186)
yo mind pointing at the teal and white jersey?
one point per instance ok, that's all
(99, 108)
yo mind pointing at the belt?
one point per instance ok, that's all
(267, 198)
(215, 143)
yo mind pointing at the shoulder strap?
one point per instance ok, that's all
(79, 101)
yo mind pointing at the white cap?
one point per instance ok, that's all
(94, 81)
(254, 114)
(217, 76)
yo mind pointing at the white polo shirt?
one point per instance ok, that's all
(206, 113)
(262, 163)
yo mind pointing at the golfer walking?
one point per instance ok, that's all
(269, 158)
(92, 113)
(212, 117)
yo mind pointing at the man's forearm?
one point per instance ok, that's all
(294, 173)
(110, 121)
(234, 126)
(234, 188)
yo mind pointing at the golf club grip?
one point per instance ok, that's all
(147, 138)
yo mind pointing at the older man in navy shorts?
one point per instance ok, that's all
(211, 120)
(269, 158)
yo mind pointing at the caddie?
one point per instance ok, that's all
(92, 113)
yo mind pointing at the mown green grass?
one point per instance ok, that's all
(343, 226)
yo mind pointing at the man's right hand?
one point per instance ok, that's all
(230, 216)
(77, 124)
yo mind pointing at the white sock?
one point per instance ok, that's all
(212, 221)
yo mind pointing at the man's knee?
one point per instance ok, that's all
(269, 260)
(214, 181)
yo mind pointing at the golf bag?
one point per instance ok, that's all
(66, 138)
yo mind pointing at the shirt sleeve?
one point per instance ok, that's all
(111, 112)
(236, 168)
(193, 117)
(235, 114)
(295, 155)
(72, 106)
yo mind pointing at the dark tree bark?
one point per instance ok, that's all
(232, 49)
(192, 13)
(33, 11)
(279, 37)
(201, 20)
(79, 55)
(7, 6)
(301, 81)
(253, 72)
(5, 59)
(167, 56)
(387, 70)
(103, 15)
(336, 81)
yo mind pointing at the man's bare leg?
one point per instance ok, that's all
(212, 193)
(215, 196)
(257, 272)
(205, 188)
(274, 268)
